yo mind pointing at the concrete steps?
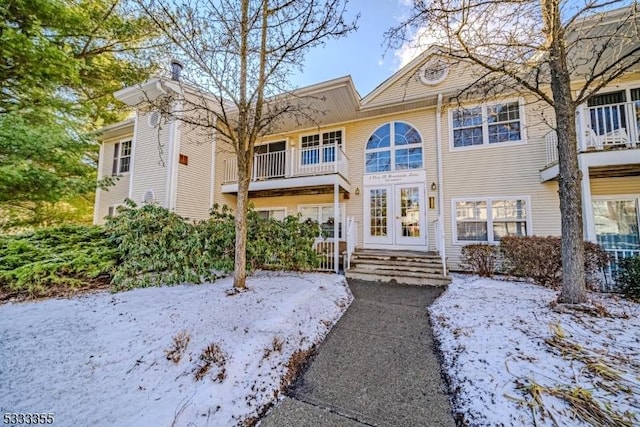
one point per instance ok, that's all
(407, 267)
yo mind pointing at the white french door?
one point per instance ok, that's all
(395, 216)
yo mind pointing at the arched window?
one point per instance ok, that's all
(392, 147)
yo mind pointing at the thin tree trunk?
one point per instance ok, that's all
(244, 153)
(570, 179)
(242, 208)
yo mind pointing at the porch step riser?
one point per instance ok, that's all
(398, 269)
(420, 264)
(395, 260)
(400, 273)
(407, 280)
(391, 253)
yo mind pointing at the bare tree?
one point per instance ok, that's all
(239, 56)
(559, 52)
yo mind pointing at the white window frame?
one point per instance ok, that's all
(392, 148)
(485, 125)
(117, 159)
(489, 201)
(271, 209)
(342, 208)
(321, 145)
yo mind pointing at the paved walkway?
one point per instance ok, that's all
(377, 367)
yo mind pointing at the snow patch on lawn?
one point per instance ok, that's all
(506, 343)
(100, 359)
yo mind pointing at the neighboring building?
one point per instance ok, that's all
(404, 168)
(156, 159)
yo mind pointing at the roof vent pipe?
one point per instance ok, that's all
(176, 70)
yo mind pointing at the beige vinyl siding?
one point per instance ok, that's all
(150, 150)
(616, 186)
(409, 86)
(507, 170)
(290, 203)
(194, 179)
(116, 194)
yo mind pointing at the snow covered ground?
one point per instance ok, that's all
(515, 358)
(101, 359)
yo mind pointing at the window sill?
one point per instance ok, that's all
(474, 242)
(453, 149)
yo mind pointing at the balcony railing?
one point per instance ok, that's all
(603, 127)
(321, 160)
(615, 256)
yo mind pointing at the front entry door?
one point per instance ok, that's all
(395, 216)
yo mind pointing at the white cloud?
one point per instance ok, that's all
(422, 39)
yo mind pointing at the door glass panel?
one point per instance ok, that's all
(270, 160)
(410, 211)
(329, 142)
(310, 151)
(616, 223)
(378, 206)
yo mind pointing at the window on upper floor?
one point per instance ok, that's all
(392, 147)
(121, 157)
(320, 147)
(487, 124)
(489, 220)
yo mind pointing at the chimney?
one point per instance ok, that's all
(176, 69)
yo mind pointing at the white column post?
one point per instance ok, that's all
(582, 128)
(587, 204)
(336, 226)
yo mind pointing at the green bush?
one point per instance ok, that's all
(281, 245)
(68, 256)
(157, 247)
(160, 247)
(628, 277)
(148, 246)
(540, 259)
(480, 259)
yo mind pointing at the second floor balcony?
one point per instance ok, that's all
(609, 134)
(320, 165)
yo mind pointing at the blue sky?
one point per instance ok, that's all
(362, 54)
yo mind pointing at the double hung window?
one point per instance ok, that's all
(489, 220)
(121, 157)
(487, 124)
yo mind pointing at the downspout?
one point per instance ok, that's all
(337, 219)
(441, 243)
(213, 170)
(134, 145)
(172, 159)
